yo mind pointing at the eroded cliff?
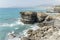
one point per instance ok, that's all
(32, 17)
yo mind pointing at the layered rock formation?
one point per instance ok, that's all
(32, 17)
(48, 26)
(29, 17)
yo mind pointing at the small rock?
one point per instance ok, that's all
(25, 38)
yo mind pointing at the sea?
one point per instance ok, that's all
(10, 21)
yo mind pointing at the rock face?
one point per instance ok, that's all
(41, 16)
(32, 17)
(45, 23)
(48, 26)
(29, 17)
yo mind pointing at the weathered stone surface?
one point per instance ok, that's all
(49, 21)
(43, 32)
(41, 16)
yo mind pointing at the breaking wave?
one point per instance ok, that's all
(18, 22)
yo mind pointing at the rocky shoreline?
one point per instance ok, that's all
(46, 23)
(48, 26)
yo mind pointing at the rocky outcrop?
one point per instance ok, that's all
(29, 17)
(32, 17)
(49, 21)
(46, 23)
(43, 33)
(48, 26)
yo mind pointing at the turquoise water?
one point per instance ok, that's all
(9, 21)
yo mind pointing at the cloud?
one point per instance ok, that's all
(57, 2)
(27, 3)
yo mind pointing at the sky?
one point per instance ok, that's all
(27, 3)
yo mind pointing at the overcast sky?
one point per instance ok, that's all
(27, 3)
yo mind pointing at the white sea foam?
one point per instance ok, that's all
(33, 27)
(18, 22)
(16, 28)
(11, 33)
(15, 38)
(25, 33)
